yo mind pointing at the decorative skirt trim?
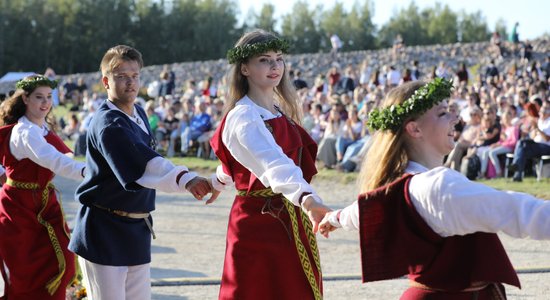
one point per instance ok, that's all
(300, 248)
(54, 283)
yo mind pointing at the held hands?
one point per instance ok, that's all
(215, 193)
(315, 211)
(200, 187)
(325, 226)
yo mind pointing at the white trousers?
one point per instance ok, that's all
(115, 282)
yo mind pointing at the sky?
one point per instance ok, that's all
(532, 15)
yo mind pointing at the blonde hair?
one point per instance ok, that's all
(387, 158)
(238, 84)
(116, 55)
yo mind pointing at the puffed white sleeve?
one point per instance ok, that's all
(220, 180)
(161, 174)
(28, 142)
(347, 217)
(251, 144)
(451, 204)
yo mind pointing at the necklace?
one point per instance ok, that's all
(137, 119)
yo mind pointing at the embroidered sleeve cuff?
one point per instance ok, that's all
(216, 183)
(185, 178)
(304, 199)
(334, 218)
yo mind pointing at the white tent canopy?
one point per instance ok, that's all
(15, 76)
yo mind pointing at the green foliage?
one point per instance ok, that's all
(501, 28)
(30, 84)
(266, 19)
(441, 25)
(241, 53)
(409, 23)
(473, 28)
(437, 25)
(301, 29)
(424, 98)
(72, 35)
(361, 29)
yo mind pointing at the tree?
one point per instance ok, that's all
(362, 30)
(335, 21)
(150, 27)
(501, 28)
(472, 27)
(442, 25)
(214, 29)
(266, 20)
(299, 27)
(409, 23)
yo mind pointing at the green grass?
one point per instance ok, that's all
(529, 185)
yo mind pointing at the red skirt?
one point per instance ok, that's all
(26, 247)
(261, 259)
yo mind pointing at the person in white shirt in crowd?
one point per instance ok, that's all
(465, 140)
(336, 44)
(393, 76)
(537, 146)
(420, 219)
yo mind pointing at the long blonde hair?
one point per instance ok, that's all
(238, 84)
(387, 158)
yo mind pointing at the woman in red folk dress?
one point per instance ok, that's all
(33, 232)
(418, 218)
(271, 246)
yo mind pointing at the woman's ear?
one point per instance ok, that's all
(412, 129)
(244, 70)
(25, 97)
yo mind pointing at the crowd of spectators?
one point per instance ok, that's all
(501, 97)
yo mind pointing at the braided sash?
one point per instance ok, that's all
(302, 253)
(54, 283)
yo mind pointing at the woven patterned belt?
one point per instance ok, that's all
(141, 215)
(302, 252)
(54, 283)
(263, 193)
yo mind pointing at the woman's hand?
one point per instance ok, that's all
(325, 227)
(316, 211)
(215, 193)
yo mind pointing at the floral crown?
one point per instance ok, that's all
(241, 53)
(28, 84)
(424, 98)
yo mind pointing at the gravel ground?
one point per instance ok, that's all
(190, 246)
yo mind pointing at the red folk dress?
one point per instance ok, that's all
(34, 234)
(396, 241)
(263, 258)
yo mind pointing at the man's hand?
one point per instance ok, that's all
(199, 187)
